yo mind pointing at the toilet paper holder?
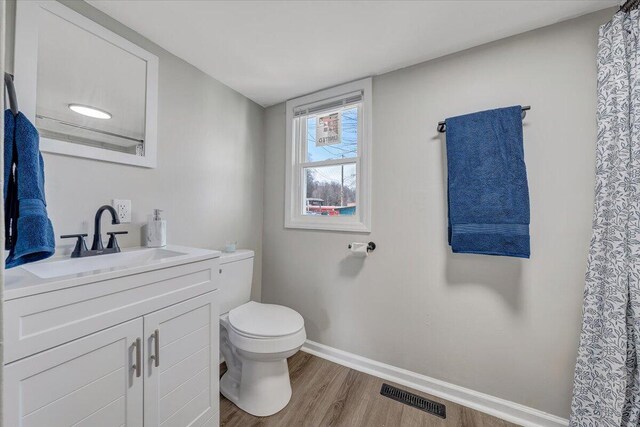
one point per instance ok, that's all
(370, 246)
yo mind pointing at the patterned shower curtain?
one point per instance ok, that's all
(607, 380)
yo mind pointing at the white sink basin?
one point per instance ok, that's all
(61, 272)
(57, 267)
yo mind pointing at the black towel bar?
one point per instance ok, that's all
(442, 126)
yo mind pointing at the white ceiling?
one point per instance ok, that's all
(271, 51)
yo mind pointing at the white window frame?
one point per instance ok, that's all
(295, 163)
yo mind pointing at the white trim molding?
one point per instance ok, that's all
(296, 160)
(500, 408)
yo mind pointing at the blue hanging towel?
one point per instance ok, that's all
(28, 230)
(488, 193)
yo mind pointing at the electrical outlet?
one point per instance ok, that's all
(123, 209)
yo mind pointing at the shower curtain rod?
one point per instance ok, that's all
(442, 126)
(104, 132)
(629, 5)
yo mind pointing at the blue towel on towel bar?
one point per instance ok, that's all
(30, 233)
(488, 193)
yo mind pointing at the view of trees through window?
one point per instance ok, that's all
(331, 190)
(333, 185)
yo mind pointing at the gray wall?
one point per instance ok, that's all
(209, 178)
(502, 326)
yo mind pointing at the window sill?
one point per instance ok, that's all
(351, 226)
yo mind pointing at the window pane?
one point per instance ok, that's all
(330, 190)
(332, 135)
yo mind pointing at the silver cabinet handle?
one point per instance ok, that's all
(138, 365)
(156, 344)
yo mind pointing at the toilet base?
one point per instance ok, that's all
(264, 387)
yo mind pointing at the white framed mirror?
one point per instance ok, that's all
(89, 92)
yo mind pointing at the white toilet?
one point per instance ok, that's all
(255, 341)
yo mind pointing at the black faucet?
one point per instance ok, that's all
(97, 234)
(97, 248)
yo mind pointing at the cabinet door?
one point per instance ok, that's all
(181, 371)
(89, 382)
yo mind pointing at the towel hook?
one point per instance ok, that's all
(11, 92)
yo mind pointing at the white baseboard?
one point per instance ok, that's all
(500, 408)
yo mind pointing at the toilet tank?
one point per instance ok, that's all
(236, 275)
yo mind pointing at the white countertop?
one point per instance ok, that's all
(19, 283)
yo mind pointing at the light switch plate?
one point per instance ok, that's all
(123, 209)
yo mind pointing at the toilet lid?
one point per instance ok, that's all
(265, 320)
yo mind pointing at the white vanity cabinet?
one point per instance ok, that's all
(89, 382)
(132, 350)
(181, 378)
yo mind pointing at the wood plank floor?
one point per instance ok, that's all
(328, 394)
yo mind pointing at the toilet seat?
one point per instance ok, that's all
(264, 328)
(260, 321)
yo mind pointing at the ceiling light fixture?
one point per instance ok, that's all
(88, 111)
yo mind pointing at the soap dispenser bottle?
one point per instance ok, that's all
(156, 230)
